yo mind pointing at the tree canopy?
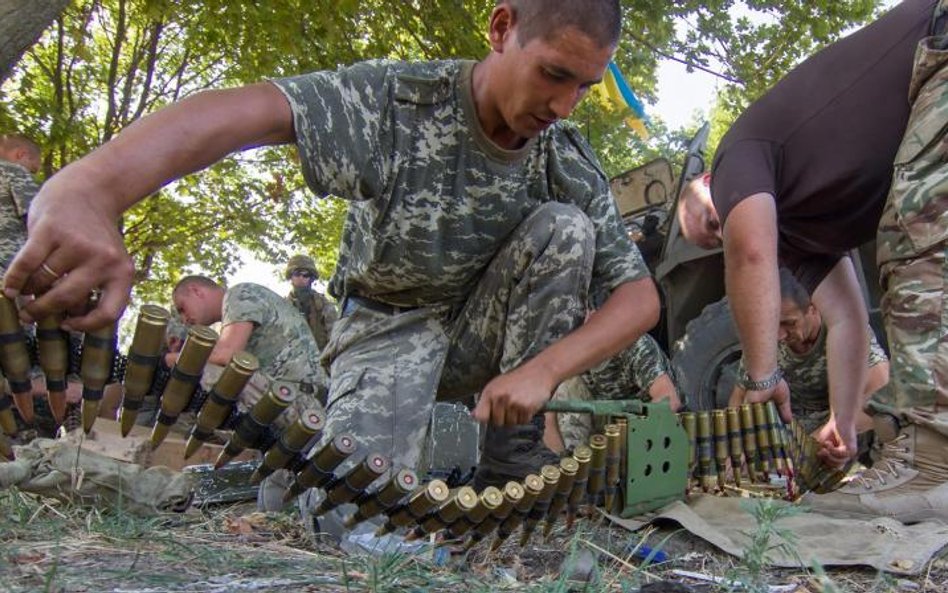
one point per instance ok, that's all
(104, 63)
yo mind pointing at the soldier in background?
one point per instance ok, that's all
(319, 312)
(255, 319)
(19, 161)
(801, 355)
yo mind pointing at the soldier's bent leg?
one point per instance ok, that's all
(533, 293)
(385, 370)
(910, 479)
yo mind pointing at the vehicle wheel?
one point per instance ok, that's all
(705, 358)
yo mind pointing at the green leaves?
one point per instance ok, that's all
(106, 63)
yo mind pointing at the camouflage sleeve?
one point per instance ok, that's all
(647, 361)
(21, 185)
(617, 260)
(876, 353)
(341, 124)
(330, 314)
(245, 302)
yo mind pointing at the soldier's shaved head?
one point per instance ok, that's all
(21, 150)
(195, 280)
(600, 20)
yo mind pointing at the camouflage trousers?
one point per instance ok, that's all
(912, 235)
(388, 369)
(627, 375)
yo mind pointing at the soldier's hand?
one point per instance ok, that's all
(74, 247)
(514, 397)
(780, 395)
(837, 443)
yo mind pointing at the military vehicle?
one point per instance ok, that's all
(696, 327)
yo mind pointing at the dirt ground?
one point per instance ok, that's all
(48, 545)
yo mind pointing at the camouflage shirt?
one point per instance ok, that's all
(17, 189)
(432, 198)
(319, 312)
(281, 340)
(807, 374)
(629, 373)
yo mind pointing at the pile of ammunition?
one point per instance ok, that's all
(753, 441)
(637, 452)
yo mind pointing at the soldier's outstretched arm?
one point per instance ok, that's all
(74, 245)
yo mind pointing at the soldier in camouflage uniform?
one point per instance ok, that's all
(806, 174)
(255, 319)
(477, 224)
(801, 355)
(319, 312)
(641, 371)
(19, 161)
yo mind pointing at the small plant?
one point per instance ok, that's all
(768, 538)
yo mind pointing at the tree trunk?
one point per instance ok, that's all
(21, 24)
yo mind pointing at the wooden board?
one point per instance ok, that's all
(106, 438)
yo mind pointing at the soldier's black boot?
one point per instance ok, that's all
(512, 452)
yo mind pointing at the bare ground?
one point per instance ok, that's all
(47, 545)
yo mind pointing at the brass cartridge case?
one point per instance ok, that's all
(7, 420)
(53, 344)
(736, 443)
(583, 456)
(532, 488)
(419, 504)
(721, 449)
(568, 468)
(689, 421)
(220, 400)
(749, 434)
(185, 376)
(15, 358)
(489, 500)
(6, 449)
(460, 503)
(623, 423)
(762, 429)
(613, 457)
(143, 357)
(597, 468)
(705, 460)
(777, 438)
(307, 427)
(513, 493)
(252, 424)
(98, 352)
(318, 470)
(354, 483)
(551, 479)
(402, 483)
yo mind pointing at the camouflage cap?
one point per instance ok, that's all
(300, 262)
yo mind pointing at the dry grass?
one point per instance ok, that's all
(50, 546)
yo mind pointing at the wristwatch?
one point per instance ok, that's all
(764, 384)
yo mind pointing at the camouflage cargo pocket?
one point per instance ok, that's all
(916, 213)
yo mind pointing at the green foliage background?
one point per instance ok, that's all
(106, 63)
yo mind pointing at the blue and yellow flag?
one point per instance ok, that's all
(619, 91)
